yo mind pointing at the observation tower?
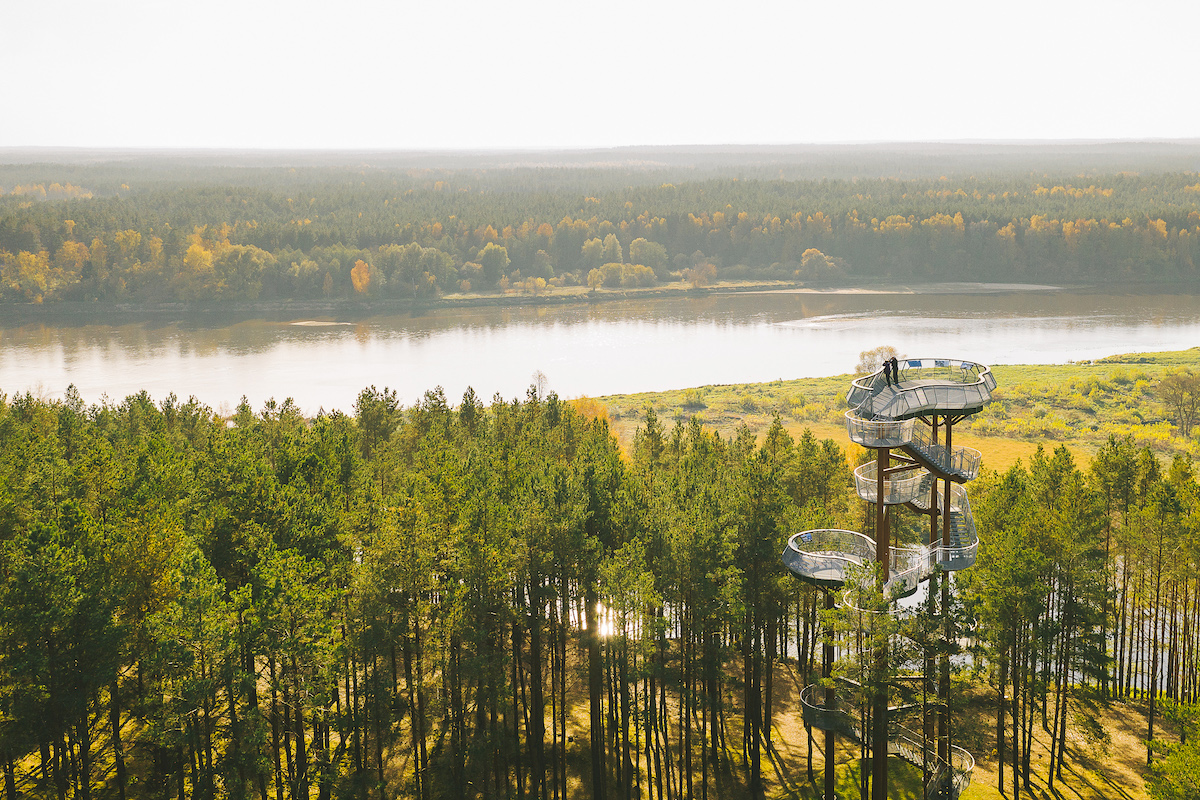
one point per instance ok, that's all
(908, 421)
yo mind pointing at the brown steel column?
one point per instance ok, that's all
(831, 704)
(944, 671)
(928, 722)
(882, 460)
(933, 497)
(879, 713)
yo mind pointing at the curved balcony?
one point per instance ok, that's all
(927, 386)
(823, 557)
(878, 433)
(816, 715)
(898, 488)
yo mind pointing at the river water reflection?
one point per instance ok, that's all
(612, 347)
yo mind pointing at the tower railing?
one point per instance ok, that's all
(825, 555)
(907, 568)
(874, 433)
(960, 461)
(898, 488)
(960, 550)
(816, 715)
(913, 565)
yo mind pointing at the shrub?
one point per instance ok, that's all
(637, 275)
(590, 408)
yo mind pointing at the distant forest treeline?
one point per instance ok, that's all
(195, 233)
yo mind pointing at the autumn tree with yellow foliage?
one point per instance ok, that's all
(360, 275)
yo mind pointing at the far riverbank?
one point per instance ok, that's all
(352, 308)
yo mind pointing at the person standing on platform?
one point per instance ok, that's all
(887, 371)
(895, 371)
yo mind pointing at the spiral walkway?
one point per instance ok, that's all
(903, 416)
(903, 742)
(884, 416)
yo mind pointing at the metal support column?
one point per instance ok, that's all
(831, 704)
(879, 713)
(928, 722)
(944, 666)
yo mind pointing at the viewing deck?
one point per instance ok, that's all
(926, 386)
(899, 488)
(824, 557)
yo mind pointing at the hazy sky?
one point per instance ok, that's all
(453, 74)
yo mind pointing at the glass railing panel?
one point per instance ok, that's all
(963, 764)
(953, 559)
(833, 544)
(969, 461)
(899, 488)
(909, 566)
(878, 433)
(815, 714)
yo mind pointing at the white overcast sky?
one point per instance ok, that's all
(435, 75)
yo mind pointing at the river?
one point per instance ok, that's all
(617, 346)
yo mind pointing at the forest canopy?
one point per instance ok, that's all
(443, 601)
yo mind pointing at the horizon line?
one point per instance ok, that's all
(1032, 142)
